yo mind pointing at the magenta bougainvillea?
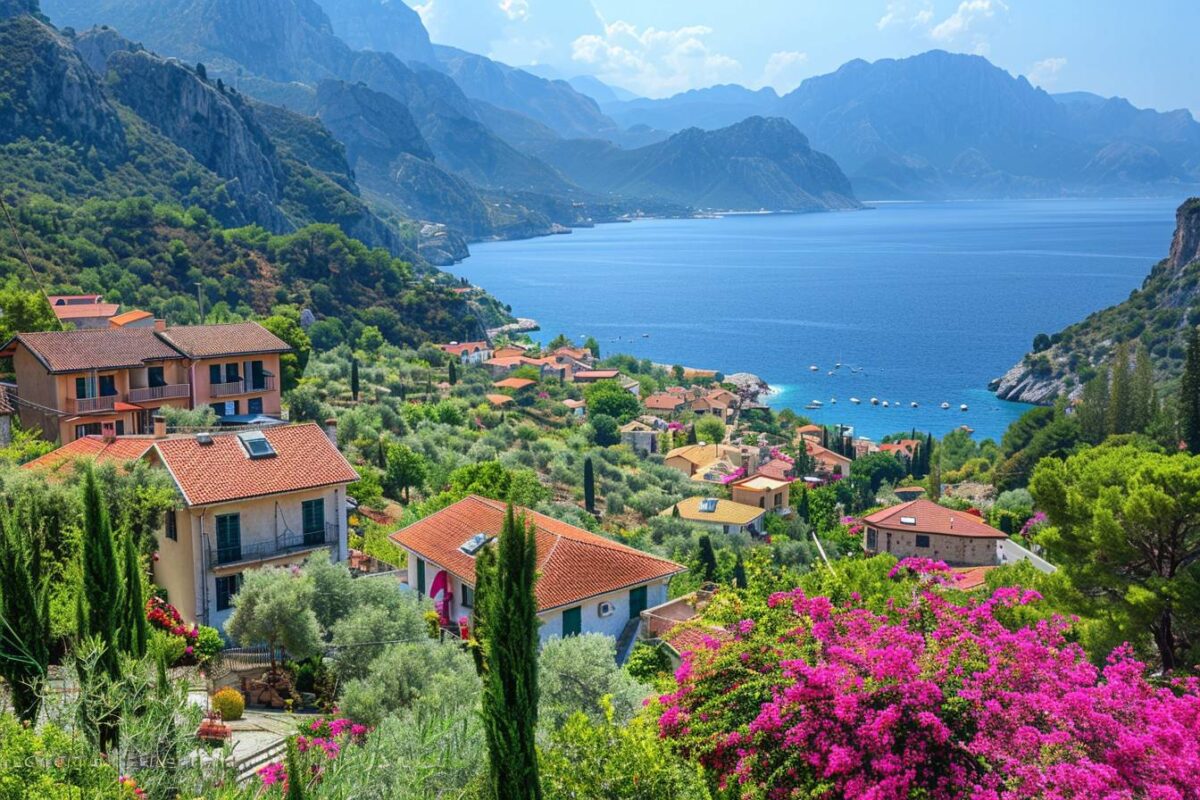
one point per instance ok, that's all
(166, 617)
(932, 699)
(326, 740)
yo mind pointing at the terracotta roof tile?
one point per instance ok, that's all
(726, 512)
(498, 399)
(101, 348)
(233, 339)
(459, 348)
(222, 472)
(514, 383)
(92, 448)
(596, 374)
(929, 517)
(777, 468)
(694, 636)
(128, 317)
(85, 310)
(662, 401)
(970, 578)
(573, 564)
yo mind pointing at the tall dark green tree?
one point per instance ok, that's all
(802, 503)
(452, 373)
(1121, 397)
(100, 613)
(739, 572)
(1189, 393)
(506, 612)
(1143, 397)
(589, 486)
(708, 559)
(24, 612)
(133, 631)
(354, 379)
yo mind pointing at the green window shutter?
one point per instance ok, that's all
(421, 575)
(229, 538)
(572, 622)
(637, 601)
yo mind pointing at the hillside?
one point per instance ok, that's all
(758, 163)
(1156, 316)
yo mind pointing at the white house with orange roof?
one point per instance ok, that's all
(246, 500)
(468, 352)
(586, 583)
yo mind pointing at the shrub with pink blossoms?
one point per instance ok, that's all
(324, 739)
(932, 699)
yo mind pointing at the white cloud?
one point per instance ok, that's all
(1045, 72)
(654, 62)
(515, 9)
(964, 18)
(901, 12)
(784, 70)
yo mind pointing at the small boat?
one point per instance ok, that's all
(945, 406)
(967, 429)
(838, 365)
(833, 401)
(829, 373)
(885, 403)
(645, 336)
(814, 368)
(855, 400)
(963, 407)
(874, 401)
(856, 369)
(913, 404)
(813, 406)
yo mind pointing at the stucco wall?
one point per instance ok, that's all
(954, 550)
(202, 387)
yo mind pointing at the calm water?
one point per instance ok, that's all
(929, 300)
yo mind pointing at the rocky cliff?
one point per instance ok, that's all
(1155, 317)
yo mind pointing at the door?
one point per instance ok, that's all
(420, 576)
(637, 601)
(108, 385)
(572, 622)
(313, 512)
(229, 538)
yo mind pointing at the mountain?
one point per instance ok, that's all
(386, 26)
(757, 163)
(709, 108)
(600, 91)
(1156, 316)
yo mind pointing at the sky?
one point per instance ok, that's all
(1144, 51)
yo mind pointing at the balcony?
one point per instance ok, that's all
(242, 386)
(152, 393)
(248, 553)
(93, 405)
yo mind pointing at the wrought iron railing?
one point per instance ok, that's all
(242, 386)
(88, 405)
(145, 394)
(264, 550)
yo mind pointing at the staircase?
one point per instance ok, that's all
(627, 639)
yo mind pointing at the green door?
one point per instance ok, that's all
(637, 601)
(421, 575)
(572, 622)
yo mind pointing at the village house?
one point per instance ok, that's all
(717, 403)
(112, 381)
(8, 410)
(499, 400)
(578, 408)
(94, 449)
(712, 462)
(827, 461)
(640, 437)
(763, 491)
(665, 403)
(468, 352)
(247, 500)
(813, 433)
(724, 516)
(924, 528)
(520, 389)
(596, 375)
(82, 310)
(586, 583)
(903, 449)
(136, 319)
(778, 468)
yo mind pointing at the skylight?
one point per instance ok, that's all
(475, 543)
(908, 520)
(256, 444)
(708, 505)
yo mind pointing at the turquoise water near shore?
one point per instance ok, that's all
(920, 302)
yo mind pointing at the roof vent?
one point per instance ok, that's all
(708, 505)
(256, 444)
(908, 520)
(475, 543)
(204, 438)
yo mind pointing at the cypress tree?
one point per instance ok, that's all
(1189, 393)
(708, 559)
(739, 572)
(24, 613)
(1120, 405)
(675, 511)
(133, 622)
(508, 616)
(1142, 392)
(589, 486)
(452, 373)
(691, 435)
(802, 504)
(101, 581)
(354, 379)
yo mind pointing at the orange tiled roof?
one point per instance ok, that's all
(498, 399)
(970, 578)
(929, 517)
(101, 348)
(572, 563)
(93, 448)
(777, 468)
(459, 348)
(811, 429)
(128, 317)
(693, 636)
(817, 451)
(85, 310)
(222, 471)
(514, 383)
(231, 339)
(661, 401)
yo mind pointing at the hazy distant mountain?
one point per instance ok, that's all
(600, 91)
(756, 164)
(387, 26)
(710, 108)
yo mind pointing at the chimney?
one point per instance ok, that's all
(160, 324)
(108, 431)
(331, 430)
(160, 426)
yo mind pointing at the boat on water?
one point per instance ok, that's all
(855, 400)
(645, 336)
(814, 405)
(814, 368)
(874, 401)
(945, 406)
(963, 407)
(885, 403)
(913, 404)
(829, 373)
(967, 429)
(833, 401)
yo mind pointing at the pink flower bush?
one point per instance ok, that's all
(934, 700)
(329, 738)
(1034, 524)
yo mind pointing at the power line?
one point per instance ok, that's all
(25, 254)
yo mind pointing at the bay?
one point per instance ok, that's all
(920, 302)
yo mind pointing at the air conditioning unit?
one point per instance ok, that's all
(607, 609)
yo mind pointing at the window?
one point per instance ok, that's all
(214, 373)
(254, 405)
(258, 379)
(468, 597)
(872, 538)
(637, 602)
(83, 388)
(420, 576)
(572, 622)
(108, 385)
(922, 540)
(120, 427)
(231, 372)
(154, 376)
(172, 526)
(88, 429)
(229, 538)
(227, 587)
(256, 445)
(313, 512)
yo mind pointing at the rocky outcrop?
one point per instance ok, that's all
(15, 8)
(386, 26)
(208, 123)
(371, 125)
(1185, 244)
(96, 45)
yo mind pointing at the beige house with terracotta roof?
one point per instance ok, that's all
(232, 368)
(640, 437)
(724, 516)
(82, 310)
(469, 352)
(247, 500)
(828, 462)
(586, 583)
(763, 491)
(924, 528)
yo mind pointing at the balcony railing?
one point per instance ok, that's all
(149, 393)
(272, 548)
(90, 405)
(242, 386)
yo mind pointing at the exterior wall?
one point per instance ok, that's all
(5, 430)
(721, 527)
(262, 521)
(770, 500)
(36, 385)
(202, 388)
(965, 551)
(641, 441)
(682, 464)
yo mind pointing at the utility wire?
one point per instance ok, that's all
(25, 255)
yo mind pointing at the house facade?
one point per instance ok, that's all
(586, 583)
(247, 500)
(233, 369)
(827, 461)
(764, 491)
(723, 516)
(469, 352)
(640, 437)
(922, 528)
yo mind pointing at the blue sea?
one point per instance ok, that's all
(919, 302)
